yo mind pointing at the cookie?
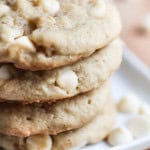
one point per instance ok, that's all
(65, 82)
(25, 120)
(91, 133)
(54, 33)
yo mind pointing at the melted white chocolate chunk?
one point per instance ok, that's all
(3, 9)
(67, 80)
(25, 42)
(99, 9)
(39, 142)
(51, 6)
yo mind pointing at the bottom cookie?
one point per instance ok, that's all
(91, 133)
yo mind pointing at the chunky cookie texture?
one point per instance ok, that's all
(90, 133)
(45, 34)
(25, 120)
(65, 82)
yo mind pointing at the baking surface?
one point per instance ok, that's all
(133, 13)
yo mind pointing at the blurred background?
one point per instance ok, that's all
(136, 26)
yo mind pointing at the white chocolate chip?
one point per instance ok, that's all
(51, 6)
(120, 135)
(145, 110)
(129, 104)
(67, 79)
(4, 73)
(39, 142)
(27, 9)
(53, 90)
(99, 9)
(24, 42)
(7, 34)
(3, 9)
(139, 126)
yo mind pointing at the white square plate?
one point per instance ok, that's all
(133, 77)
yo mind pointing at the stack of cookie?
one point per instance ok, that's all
(56, 60)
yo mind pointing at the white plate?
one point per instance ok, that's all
(133, 77)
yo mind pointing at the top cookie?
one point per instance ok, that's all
(45, 34)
